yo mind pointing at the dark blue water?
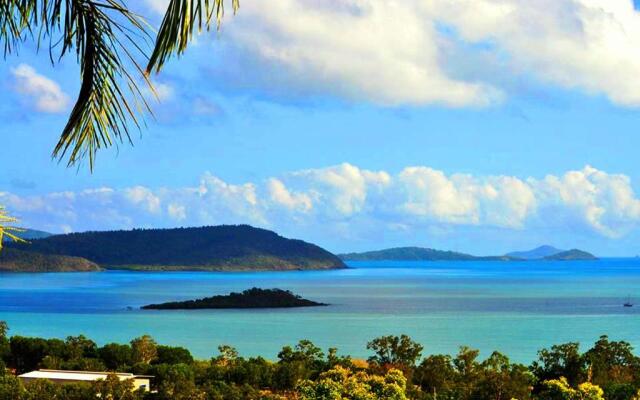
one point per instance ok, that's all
(515, 307)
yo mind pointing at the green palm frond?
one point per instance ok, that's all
(103, 111)
(6, 227)
(180, 21)
(109, 41)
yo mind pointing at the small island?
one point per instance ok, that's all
(250, 298)
(571, 255)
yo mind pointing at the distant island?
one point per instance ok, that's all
(571, 255)
(537, 253)
(211, 248)
(250, 298)
(14, 260)
(427, 254)
(419, 254)
(551, 253)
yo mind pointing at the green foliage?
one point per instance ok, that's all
(10, 388)
(395, 350)
(116, 356)
(114, 388)
(144, 349)
(559, 389)
(562, 360)
(340, 383)
(305, 372)
(173, 355)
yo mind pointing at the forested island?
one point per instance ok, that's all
(395, 370)
(250, 298)
(210, 248)
(570, 255)
(418, 254)
(427, 254)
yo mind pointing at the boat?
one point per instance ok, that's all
(628, 303)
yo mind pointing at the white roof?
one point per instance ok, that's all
(54, 374)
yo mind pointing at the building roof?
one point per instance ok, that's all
(55, 374)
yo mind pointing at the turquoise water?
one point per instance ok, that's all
(515, 307)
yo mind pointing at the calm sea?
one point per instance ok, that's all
(514, 307)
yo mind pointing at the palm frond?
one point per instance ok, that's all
(108, 40)
(103, 111)
(6, 227)
(179, 22)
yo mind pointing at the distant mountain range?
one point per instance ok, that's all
(551, 253)
(537, 253)
(427, 254)
(418, 254)
(212, 248)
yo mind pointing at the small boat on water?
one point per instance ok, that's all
(628, 303)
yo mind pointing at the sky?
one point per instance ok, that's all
(481, 126)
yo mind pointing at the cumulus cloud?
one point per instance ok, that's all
(400, 52)
(585, 44)
(46, 95)
(349, 199)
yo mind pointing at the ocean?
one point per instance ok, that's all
(513, 307)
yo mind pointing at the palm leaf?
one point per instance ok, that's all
(6, 227)
(108, 40)
(180, 21)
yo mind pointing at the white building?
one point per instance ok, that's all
(60, 376)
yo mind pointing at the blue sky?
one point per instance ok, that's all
(362, 125)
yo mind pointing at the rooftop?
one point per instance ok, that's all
(78, 375)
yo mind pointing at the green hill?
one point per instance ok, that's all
(571, 255)
(418, 254)
(222, 248)
(14, 260)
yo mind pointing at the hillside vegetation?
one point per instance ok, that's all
(226, 247)
(14, 260)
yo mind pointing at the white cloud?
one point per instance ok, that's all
(293, 201)
(163, 91)
(46, 95)
(382, 51)
(144, 197)
(586, 44)
(157, 6)
(346, 199)
(604, 202)
(393, 52)
(177, 212)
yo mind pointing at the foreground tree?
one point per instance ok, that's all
(395, 350)
(343, 384)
